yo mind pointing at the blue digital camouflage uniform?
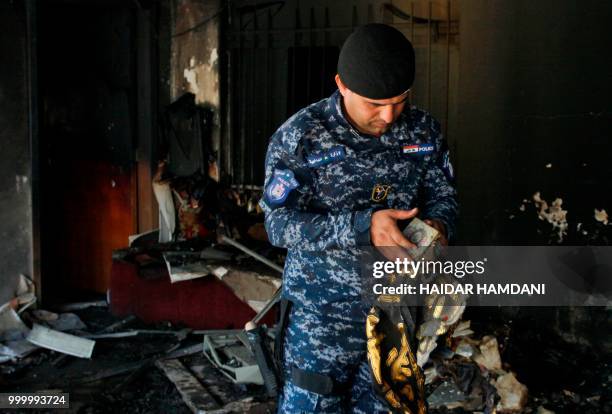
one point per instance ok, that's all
(323, 182)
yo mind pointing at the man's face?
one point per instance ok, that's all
(371, 116)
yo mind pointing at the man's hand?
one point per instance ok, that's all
(384, 230)
(438, 225)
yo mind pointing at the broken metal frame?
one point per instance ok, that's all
(246, 373)
(252, 41)
(255, 340)
(265, 261)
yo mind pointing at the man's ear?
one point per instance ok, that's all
(341, 87)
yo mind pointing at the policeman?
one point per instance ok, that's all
(340, 173)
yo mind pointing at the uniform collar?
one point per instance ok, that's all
(336, 107)
(392, 136)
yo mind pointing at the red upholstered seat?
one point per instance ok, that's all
(204, 303)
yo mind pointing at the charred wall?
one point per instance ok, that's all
(534, 115)
(15, 158)
(195, 54)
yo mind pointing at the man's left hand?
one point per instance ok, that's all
(438, 225)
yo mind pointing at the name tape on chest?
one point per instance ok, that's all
(418, 149)
(323, 158)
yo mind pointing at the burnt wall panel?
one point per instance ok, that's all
(534, 115)
(15, 177)
(195, 55)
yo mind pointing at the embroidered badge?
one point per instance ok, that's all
(415, 149)
(281, 185)
(323, 158)
(380, 192)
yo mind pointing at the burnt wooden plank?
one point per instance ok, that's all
(193, 393)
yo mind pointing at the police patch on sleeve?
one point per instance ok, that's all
(282, 183)
(447, 167)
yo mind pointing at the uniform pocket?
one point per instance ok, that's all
(298, 400)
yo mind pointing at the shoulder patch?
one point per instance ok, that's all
(282, 183)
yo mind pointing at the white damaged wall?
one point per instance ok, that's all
(195, 55)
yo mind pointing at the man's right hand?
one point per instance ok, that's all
(384, 230)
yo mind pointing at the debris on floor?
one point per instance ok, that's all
(185, 266)
(193, 393)
(158, 370)
(542, 410)
(467, 374)
(489, 354)
(68, 307)
(120, 362)
(13, 335)
(61, 342)
(447, 395)
(102, 359)
(513, 394)
(124, 372)
(60, 322)
(233, 359)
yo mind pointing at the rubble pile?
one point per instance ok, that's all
(132, 367)
(468, 373)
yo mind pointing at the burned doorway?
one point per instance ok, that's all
(85, 68)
